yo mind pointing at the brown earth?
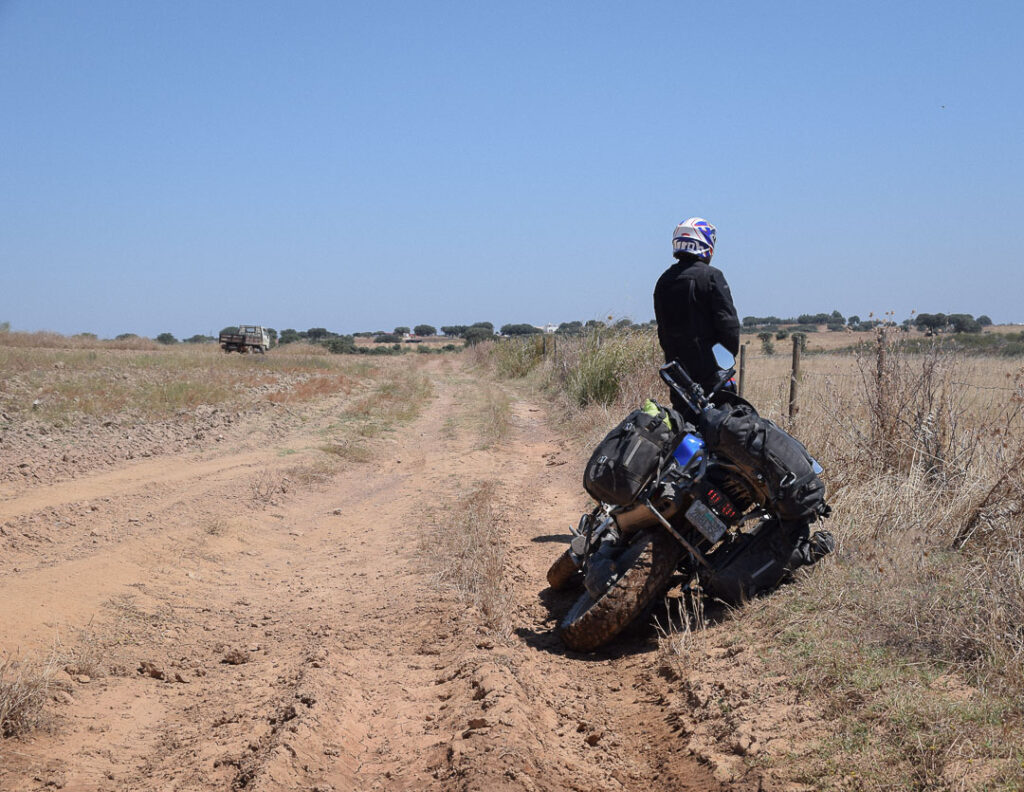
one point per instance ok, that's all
(233, 614)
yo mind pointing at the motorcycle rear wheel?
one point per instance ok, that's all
(562, 571)
(650, 561)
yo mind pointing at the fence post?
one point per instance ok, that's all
(743, 367)
(793, 377)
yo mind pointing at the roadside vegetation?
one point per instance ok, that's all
(908, 640)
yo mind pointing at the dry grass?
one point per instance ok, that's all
(47, 340)
(396, 397)
(25, 687)
(492, 418)
(924, 460)
(58, 385)
(265, 486)
(466, 549)
(311, 474)
(349, 449)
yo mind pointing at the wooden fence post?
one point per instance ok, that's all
(794, 376)
(743, 367)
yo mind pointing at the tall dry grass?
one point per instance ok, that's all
(25, 687)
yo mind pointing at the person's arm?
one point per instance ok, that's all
(723, 312)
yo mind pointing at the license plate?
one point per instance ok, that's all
(706, 521)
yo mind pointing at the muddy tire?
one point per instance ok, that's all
(651, 560)
(562, 571)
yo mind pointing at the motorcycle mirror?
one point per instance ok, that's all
(723, 357)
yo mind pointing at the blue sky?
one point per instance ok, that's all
(181, 166)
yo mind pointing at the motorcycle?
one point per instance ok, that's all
(719, 507)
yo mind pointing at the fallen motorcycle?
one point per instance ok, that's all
(716, 493)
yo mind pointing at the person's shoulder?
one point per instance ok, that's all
(716, 274)
(669, 274)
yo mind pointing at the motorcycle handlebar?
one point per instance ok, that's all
(691, 393)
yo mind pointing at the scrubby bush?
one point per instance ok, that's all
(341, 345)
(387, 338)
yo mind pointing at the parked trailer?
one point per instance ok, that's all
(249, 338)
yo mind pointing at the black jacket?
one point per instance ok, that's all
(694, 310)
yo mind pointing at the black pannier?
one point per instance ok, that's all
(630, 455)
(750, 564)
(758, 446)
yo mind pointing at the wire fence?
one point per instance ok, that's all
(752, 372)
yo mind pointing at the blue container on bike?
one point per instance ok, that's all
(688, 449)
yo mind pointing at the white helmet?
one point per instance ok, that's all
(696, 236)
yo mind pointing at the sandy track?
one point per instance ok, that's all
(352, 669)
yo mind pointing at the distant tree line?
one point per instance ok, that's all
(765, 326)
(835, 321)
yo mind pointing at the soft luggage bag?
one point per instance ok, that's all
(749, 564)
(630, 455)
(757, 445)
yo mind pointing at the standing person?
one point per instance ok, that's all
(693, 305)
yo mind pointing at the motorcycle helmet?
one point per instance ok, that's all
(695, 236)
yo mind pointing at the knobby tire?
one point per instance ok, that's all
(652, 558)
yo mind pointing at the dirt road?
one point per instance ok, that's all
(245, 616)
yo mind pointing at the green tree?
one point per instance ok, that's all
(125, 336)
(455, 331)
(199, 338)
(963, 323)
(425, 330)
(289, 336)
(933, 322)
(984, 320)
(853, 321)
(474, 335)
(519, 329)
(387, 338)
(229, 330)
(570, 328)
(273, 335)
(483, 326)
(766, 343)
(399, 331)
(317, 333)
(166, 338)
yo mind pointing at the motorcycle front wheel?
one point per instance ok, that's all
(648, 563)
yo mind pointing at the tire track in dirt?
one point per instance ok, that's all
(346, 667)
